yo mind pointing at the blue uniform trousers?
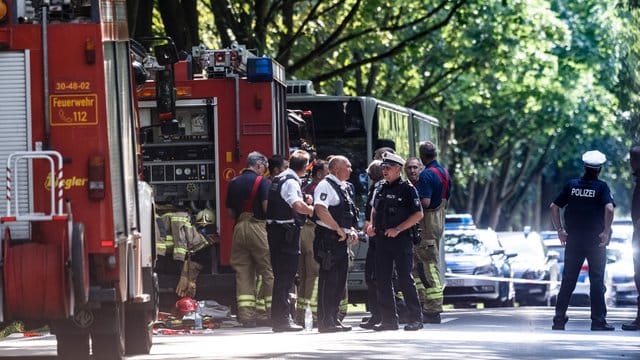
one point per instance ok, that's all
(284, 246)
(333, 258)
(577, 250)
(396, 251)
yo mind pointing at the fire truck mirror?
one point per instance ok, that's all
(166, 102)
(166, 54)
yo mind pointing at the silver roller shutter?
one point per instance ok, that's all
(15, 131)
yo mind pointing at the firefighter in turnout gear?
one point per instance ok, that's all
(396, 211)
(434, 189)
(337, 215)
(413, 167)
(247, 203)
(287, 211)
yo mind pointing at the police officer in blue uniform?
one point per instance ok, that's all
(396, 211)
(286, 213)
(336, 216)
(587, 228)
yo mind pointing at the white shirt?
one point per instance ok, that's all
(290, 190)
(326, 195)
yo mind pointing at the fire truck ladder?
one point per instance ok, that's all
(56, 209)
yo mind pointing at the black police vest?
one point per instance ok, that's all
(277, 207)
(391, 205)
(346, 212)
(584, 213)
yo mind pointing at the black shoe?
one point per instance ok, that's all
(413, 326)
(249, 324)
(383, 327)
(287, 328)
(632, 326)
(343, 326)
(330, 329)
(365, 319)
(431, 318)
(369, 324)
(601, 327)
(559, 322)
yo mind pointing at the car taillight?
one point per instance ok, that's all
(96, 177)
(585, 267)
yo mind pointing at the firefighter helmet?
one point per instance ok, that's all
(205, 217)
(184, 306)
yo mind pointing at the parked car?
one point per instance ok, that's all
(477, 252)
(581, 296)
(459, 222)
(621, 274)
(534, 262)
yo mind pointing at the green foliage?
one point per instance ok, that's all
(522, 87)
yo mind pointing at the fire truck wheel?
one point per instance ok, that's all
(110, 346)
(79, 265)
(73, 345)
(139, 333)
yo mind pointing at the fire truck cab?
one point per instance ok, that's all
(226, 103)
(77, 250)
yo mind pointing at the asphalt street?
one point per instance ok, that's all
(505, 333)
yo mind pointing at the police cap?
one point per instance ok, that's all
(389, 159)
(593, 159)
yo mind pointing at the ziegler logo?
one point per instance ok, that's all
(66, 183)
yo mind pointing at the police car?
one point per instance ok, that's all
(459, 222)
(580, 296)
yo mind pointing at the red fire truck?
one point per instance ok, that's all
(228, 103)
(76, 250)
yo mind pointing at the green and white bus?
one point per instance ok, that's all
(355, 126)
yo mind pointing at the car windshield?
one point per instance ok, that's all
(464, 244)
(524, 247)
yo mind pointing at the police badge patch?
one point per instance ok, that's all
(323, 196)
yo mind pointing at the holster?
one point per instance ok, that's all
(415, 234)
(289, 233)
(326, 259)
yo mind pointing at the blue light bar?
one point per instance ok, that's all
(259, 69)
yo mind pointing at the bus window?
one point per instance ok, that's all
(393, 126)
(339, 130)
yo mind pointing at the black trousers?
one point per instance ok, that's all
(370, 279)
(635, 245)
(399, 252)
(284, 246)
(577, 250)
(333, 258)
